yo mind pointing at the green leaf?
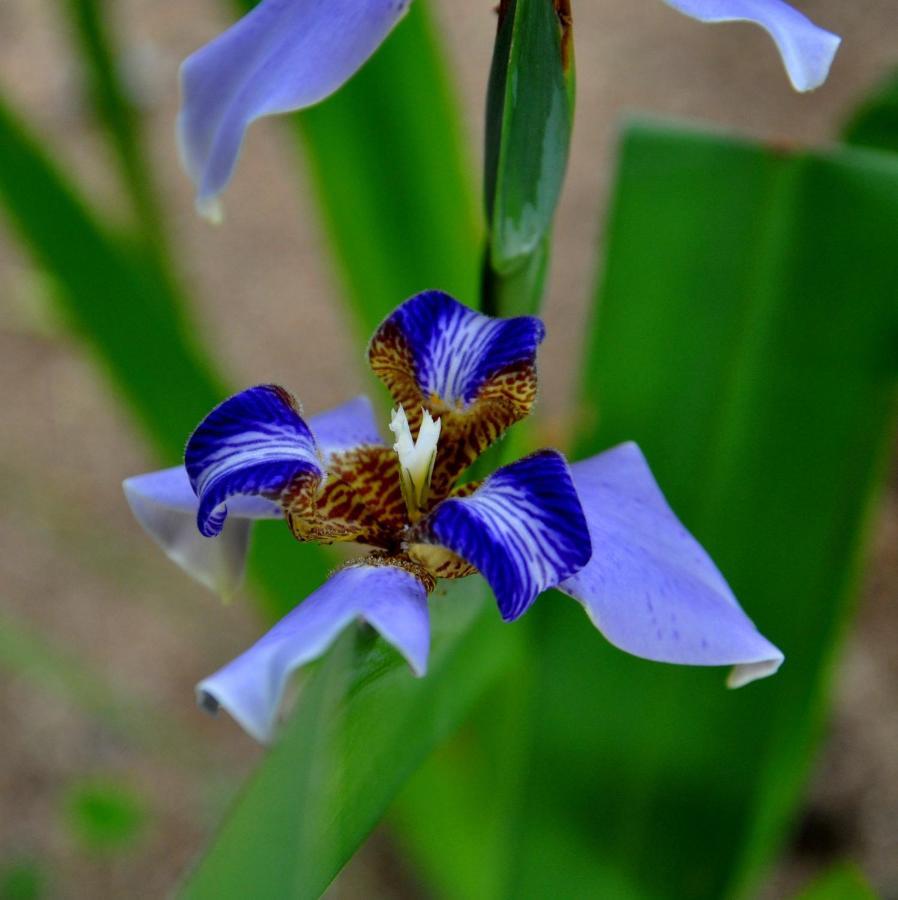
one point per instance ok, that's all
(875, 123)
(104, 814)
(392, 178)
(844, 881)
(22, 879)
(114, 110)
(123, 302)
(528, 126)
(113, 294)
(362, 726)
(746, 340)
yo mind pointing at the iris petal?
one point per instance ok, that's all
(650, 588)
(523, 528)
(165, 506)
(807, 50)
(255, 443)
(432, 345)
(389, 598)
(345, 428)
(282, 56)
(476, 373)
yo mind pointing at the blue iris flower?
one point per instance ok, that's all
(599, 530)
(289, 54)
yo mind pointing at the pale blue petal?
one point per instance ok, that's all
(345, 427)
(650, 588)
(523, 528)
(254, 444)
(282, 56)
(806, 49)
(165, 506)
(390, 599)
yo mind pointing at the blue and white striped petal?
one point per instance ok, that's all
(450, 351)
(806, 49)
(650, 588)
(165, 506)
(282, 56)
(256, 444)
(345, 428)
(389, 598)
(523, 528)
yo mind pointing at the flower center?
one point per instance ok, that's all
(416, 458)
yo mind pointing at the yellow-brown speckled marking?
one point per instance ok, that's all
(361, 500)
(440, 562)
(465, 433)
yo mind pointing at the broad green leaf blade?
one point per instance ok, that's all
(875, 123)
(746, 340)
(362, 726)
(528, 125)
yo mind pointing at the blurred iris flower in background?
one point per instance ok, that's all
(599, 530)
(285, 55)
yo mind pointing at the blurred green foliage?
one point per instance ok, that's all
(104, 815)
(844, 881)
(22, 879)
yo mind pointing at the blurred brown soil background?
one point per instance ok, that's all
(76, 571)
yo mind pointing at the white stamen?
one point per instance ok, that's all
(416, 458)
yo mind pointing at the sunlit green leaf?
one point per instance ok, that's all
(362, 726)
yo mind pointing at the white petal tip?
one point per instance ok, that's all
(211, 704)
(745, 674)
(211, 210)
